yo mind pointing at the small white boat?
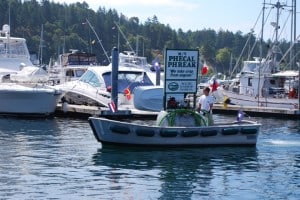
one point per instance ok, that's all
(237, 133)
(178, 124)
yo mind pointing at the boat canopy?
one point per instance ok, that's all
(288, 73)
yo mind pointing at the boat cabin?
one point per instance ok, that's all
(278, 85)
(13, 51)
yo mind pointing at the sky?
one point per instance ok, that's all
(231, 15)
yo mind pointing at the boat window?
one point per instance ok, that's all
(250, 82)
(272, 82)
(132, 77)
(70, 73)
(14, 48)
(79, 72)
(90, 78)
(81, 59)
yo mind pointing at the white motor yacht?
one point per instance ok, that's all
(22, 86)
(94, 86)
(25, 93)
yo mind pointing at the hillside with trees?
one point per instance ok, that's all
(65, 27)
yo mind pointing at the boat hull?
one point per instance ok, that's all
(122, 133)
(18, 100)
(273, 102)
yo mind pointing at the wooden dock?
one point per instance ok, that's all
(82, 111)
(257, 111)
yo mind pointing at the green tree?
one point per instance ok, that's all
(223, 59)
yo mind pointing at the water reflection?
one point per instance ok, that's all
(182, 172)
(28, 126)
(24, 143)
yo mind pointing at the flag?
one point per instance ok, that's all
(204, 70)
(112, 106)
(240, 116)
(156, 63)
(214, 85)
(127, 93)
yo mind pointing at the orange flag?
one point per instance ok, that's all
(127, 93)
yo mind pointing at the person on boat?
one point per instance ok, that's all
(206, 102)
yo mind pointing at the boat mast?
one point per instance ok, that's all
(261, 50)
(90, 25)
(127, 42)
(41, 46)
(278, 6)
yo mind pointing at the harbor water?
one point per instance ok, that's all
(59, 158)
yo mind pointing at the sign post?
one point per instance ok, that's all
(181, 73)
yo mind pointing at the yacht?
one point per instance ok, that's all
(70, 66)
(25, 93)
(23, 89)
(94, 86)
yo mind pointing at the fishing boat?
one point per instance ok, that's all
(177, 124)
(253, 88)
(263, 82)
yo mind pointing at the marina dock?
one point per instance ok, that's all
(257, 111)
(82, 111)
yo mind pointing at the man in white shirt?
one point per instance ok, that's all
(206, 102)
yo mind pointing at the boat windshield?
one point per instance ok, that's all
(13, 48)
(250, 66)
(79, 59)
(128, 79)
(90, 78)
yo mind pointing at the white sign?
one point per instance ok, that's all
(181, 64)
(181, 86)
(181, 71)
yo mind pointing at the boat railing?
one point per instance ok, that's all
(244, 90)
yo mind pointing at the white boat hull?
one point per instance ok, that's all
(275, 102)
(22, 100)
(121, 133)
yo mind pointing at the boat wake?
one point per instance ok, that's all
(285, 142)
